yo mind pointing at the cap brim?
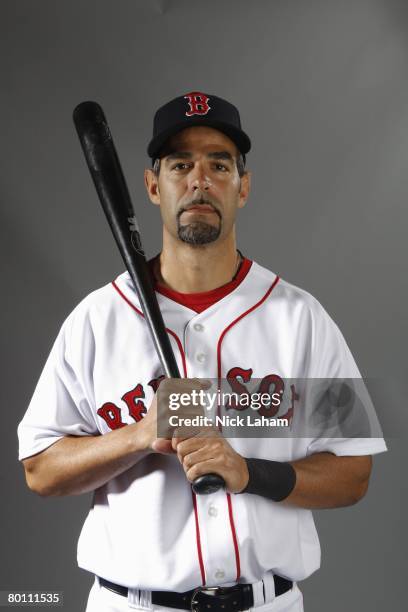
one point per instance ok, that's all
(238, 137)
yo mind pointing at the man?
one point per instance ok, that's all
(149, 540)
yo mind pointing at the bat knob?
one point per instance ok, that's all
(208, 483)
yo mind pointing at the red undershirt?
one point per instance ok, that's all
(200, 301)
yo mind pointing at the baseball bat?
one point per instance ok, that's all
(104, 165)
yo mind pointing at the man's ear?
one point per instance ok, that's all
(152, 185)
(245, 189)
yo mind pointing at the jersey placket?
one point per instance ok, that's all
(217, 534)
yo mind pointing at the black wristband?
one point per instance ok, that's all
(271, 479)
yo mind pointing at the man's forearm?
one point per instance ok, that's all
(75, 465)
(322, 480)
(325, 480)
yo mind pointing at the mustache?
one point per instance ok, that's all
(197, 202)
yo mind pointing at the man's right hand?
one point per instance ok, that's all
(77, 464)
(155, 429)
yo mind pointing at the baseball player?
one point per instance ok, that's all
(150, 542)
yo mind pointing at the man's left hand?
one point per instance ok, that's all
(210, 453)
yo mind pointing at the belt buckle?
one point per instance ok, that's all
(194, 606)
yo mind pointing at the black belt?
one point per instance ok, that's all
(211, 599)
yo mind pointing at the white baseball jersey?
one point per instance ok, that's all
(146, 528)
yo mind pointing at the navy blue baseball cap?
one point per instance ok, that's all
(192, 109)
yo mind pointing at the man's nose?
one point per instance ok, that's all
(199, 179)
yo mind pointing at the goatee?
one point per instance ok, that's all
(198, 233)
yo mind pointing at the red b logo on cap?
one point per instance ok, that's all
(198, 103)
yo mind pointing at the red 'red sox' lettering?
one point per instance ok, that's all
(137, 409)
(155, 382)
(237, 387)
(237, 378)
(271, 380)
(278, 387)
(111, 414)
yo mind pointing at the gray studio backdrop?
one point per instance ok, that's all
(323, 93)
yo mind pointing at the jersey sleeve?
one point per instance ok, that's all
(332, 366)
(62, 403)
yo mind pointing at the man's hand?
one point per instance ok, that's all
(148, 431)
(154, 428)
(210, 453)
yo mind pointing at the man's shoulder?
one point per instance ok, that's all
(99, 302)
(285, 291)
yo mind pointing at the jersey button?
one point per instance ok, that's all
(201, 357)
(198, 327)
(219, 574)
(212, 510)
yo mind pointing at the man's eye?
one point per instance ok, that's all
(221, 167)
(180, 166)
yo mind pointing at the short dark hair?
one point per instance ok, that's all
(240, 162)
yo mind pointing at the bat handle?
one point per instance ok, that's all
(208, 483)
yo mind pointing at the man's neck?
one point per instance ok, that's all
(192, 269)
